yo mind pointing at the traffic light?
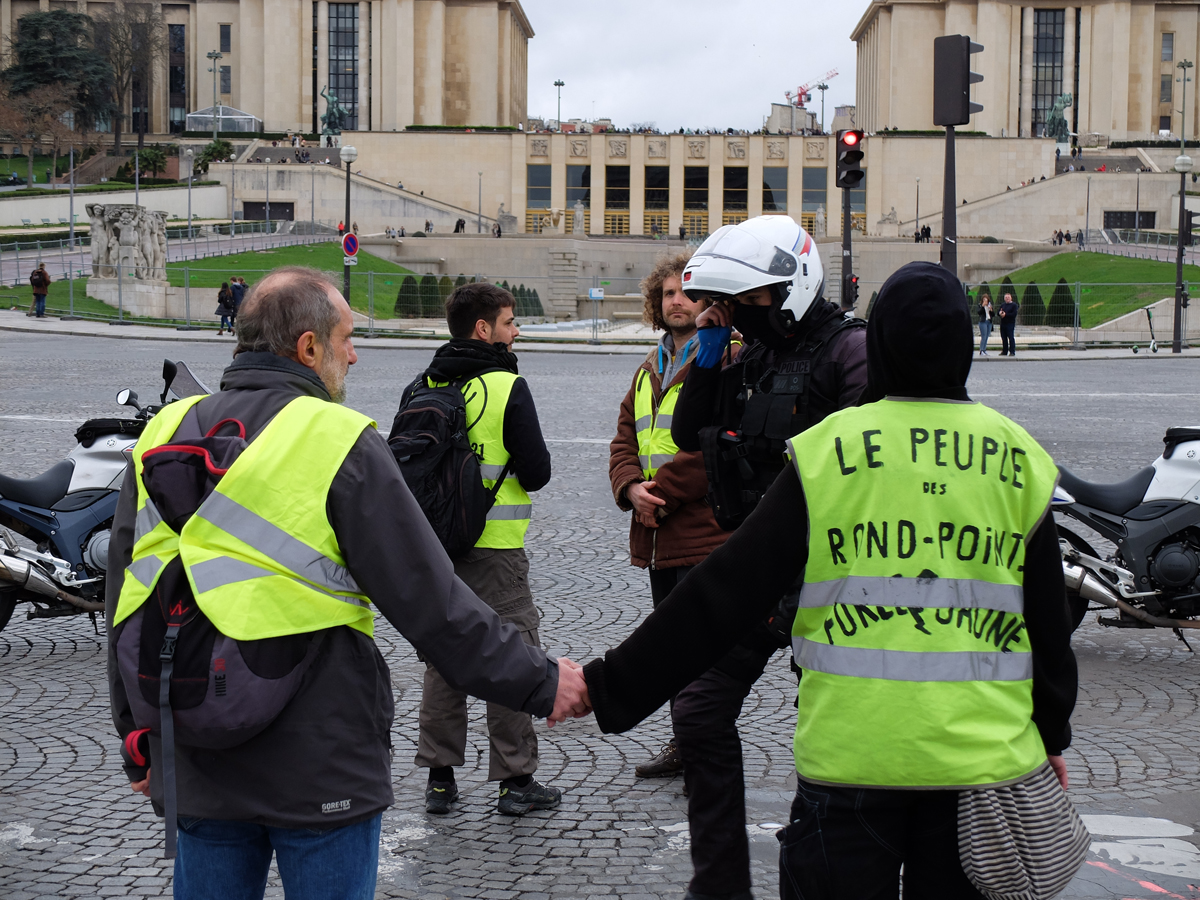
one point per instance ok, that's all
(1188, 229)
(849, 158)
(952, 79)
(849, 291)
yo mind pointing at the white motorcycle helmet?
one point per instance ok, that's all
(768, 251)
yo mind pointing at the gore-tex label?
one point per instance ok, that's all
(335, 806)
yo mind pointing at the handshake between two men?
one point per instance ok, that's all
(571, 701)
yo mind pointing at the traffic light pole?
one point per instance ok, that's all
(949, 210)
(847, 259)
(1177, 335)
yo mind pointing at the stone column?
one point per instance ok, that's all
(322, 55)
(305, 65)
(364, 69)
(376, 65)
(1068, 76)
(1026, 108)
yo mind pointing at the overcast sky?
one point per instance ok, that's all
(687, 63)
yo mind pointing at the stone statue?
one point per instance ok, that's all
(577, 218)
(506, 220)
(551, 220)
(100, 266)
(890, 218)
(131, 237)
(336, 115)
(1056, 123)
(819, 224)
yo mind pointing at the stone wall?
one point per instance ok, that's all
(210, 201)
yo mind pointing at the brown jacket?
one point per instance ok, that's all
(687, 531)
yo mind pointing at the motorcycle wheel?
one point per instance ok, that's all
(8, 602)
(1077, 605)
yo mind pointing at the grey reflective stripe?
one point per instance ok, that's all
(272, 541)
(655, 460)
(908, 665)
(145, 569)
(503, 513)
(147, 520)
(644, 422)
(223, 570)
(493, 472)
(663, 421)
(933, 593)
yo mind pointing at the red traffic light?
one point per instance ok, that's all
(850, 138)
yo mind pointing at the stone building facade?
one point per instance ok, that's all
(1117, 58)
(392, 63)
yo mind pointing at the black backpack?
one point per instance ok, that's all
(430, 443)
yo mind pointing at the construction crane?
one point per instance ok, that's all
(803, 95)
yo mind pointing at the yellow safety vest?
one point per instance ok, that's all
(260, 555)
(655, 447)
(911, 632)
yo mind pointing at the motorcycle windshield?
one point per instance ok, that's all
(185, 384)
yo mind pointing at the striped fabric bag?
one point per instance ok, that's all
(1023, 841)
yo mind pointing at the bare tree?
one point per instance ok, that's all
(133, 39)
(35, 117)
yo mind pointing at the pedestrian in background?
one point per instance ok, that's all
(506, 435)
(1009, 307)
(341, 228)
(225, 308)
(39, 280)
(672, 528)
(237, 290)
(900, 707)
(985, 322)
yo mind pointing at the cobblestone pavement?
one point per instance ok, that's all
(69, 827)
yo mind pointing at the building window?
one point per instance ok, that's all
(177, 81)
(226, 38)
(737, 186)
(537, 187)
(816, 189)
(176, 77)
(774, 186)
(1168, 47)
(1164, 123)
(695, 188)
(858, 195)
(579, 186)
(616, 188)
(343, 58)
(226, 80)
(658, 187)
(175, 39)
(1048, 29)
(1164, 88)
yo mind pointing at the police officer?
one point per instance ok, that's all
(803, 359)
(932, 630)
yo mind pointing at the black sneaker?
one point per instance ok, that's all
(516, 801)
(668, 762)
(439, 795)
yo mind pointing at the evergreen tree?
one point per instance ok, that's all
(1007, 285)
(535, 305)
(985, 290)
(871, 304)
(1061, 312)
(445, 289)
(431, 298)
(460, 280)
(408, 301)
(522, 297)
(1033, 310)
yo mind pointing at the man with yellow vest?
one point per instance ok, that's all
(672, 527)
(933, 631)
(504, 432)
(309, 530)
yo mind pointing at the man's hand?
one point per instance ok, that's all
(1060, 769)
(571, 701)
(644, 503)
(141, 787)
(719, 315)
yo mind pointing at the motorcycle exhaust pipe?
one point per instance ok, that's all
(1092, 589)
(25, 574)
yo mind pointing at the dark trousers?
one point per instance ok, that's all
(705, 719)
(662, 582)
(849, 843)
(1008, 342)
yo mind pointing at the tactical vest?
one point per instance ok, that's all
(655, 446)
(911, 629)
(486, 397)
(260, 555)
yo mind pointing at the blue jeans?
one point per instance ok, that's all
(39, 305)
(985, 331)
(223, 860)
(227, 322)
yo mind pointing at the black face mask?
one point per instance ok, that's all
(758, 323)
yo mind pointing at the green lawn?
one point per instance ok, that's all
(1110, 286)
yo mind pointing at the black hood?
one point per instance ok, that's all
(466, 357)
(761, 323)
(919, 337)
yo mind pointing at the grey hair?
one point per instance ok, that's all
(288, 302)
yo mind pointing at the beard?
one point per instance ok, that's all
(333, 375)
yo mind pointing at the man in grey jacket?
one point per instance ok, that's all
(312, 787)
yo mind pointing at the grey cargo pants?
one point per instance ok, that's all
(501, 580)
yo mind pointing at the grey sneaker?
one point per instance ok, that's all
(518, 801)
(439, 795)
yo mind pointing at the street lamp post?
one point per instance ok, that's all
(1183, 165)
(823, 87)
(214, 55)
(560, 84)
(191, 155)
(918, 194)
(71, 209)
(1137, 210)
(268, 197)
(479, 220)
(349, 155)
(312, 168)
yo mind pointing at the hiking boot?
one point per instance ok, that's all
(668, 762)
(515, 801)
(439, 795)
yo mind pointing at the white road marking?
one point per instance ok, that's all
(1134, 826)
(1148, 844)
(38, 419)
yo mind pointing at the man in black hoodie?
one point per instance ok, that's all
(506, 436)
(849, 835)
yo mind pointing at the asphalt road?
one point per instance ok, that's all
(70, 827)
